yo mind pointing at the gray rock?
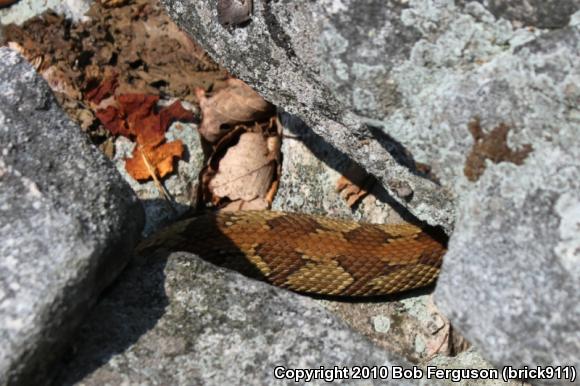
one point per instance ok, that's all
(510, 281)
(68, 224)
(443, 82)
(470, 360)
(178, 320)
(539, 13)
(23, 10)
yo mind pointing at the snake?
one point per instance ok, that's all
(310, 254)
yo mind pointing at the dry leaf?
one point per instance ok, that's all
(136, 117)
(152, 155)
(135, 39)
(236, 103)
(246, 170)
(113, 121)
(354, 185)
(60, 82)
(113, 3)
(104, 90)
(36, 61)
(158, 159)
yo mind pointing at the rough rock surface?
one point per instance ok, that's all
(22, 10)
(491, 107)
(511, 281)
(538, 13)
(178, 320)
(68, 223)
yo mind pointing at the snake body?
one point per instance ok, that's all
(310, 254)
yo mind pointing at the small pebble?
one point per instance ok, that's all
(381, 324)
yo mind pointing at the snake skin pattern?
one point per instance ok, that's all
(310, 254)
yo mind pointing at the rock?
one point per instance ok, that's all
(68, 224)
(470, 360)
(308, 184)
(22, 10)
(490, 107)
(510, 281)
(538, 13)
(178, 320)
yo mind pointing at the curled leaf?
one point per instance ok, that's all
(236, 103)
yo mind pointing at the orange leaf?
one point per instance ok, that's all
(160, 159)
(150, 132)
(137, 117)
(354, 185)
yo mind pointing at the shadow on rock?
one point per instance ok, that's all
(342, 163)
(126, 311)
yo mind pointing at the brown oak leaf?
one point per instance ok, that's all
(246, 170)
(236, 103)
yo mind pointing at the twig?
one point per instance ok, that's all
(158, 183)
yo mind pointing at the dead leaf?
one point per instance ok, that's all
(114, 121)
(152, 157)
(236, 103)
(136, 108)
(104, 90)
(132, 38)
(113, 3)
(174, 112)
(354, 185)
(246, 170)
(60, 82)
(36, 61)
(135, 116)
(159, 157)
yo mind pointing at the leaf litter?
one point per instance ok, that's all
(111, 72)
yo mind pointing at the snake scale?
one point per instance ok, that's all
(310, 254)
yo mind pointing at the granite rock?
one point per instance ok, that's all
(68, 224)
(175, 319)
(537, 13)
